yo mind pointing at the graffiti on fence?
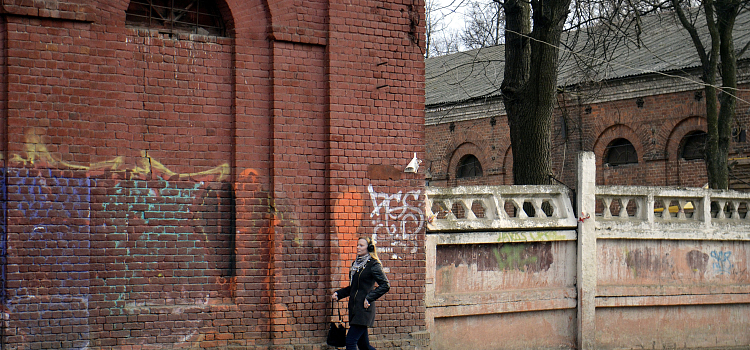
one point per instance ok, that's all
(722, 265)
(647, 261)
(524, 257)
(697, 260)
(531, 236)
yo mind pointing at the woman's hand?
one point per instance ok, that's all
(367, 304)
(335, 296)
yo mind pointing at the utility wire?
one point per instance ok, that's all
(641, 70)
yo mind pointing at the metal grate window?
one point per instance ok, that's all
(468, 166)
(694, 146)
(177, 16)
(621, 152)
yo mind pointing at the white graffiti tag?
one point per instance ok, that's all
(397, 214)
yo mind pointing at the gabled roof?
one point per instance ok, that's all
(665, 46)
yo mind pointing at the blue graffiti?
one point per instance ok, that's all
(157, 203)
(55, 207)
(49, 196)
(722, 265)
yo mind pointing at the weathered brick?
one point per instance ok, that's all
(176, 191)
(656, 131)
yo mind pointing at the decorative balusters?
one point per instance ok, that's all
(619, 203)
(620, 207)
(508, 207)
(624, 201)
(492, 207)
(729, 209)
(606, 214)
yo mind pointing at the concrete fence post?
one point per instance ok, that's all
(586, 256)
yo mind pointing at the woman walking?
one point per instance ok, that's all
(366, 270)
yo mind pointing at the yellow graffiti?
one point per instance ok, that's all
(37, 153)
(539, 236)
(147, 164)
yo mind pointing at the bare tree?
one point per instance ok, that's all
(533, 32)
(444, 43)
(440, 39)
(718, 59)
(532, 37)
(619, 21)
(483, 25)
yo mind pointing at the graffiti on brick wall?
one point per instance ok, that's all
(722, 265)
(37, 154)
(145, 200)
(149, 165)
(177, 193)
(44, 195)
(57, 321)
(400, 216)
(149, 202)
(195, 215)
(56, 207)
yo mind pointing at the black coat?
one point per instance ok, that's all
(361, 287)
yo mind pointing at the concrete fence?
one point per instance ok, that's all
(516, 267)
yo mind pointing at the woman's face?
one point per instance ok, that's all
(361, 247)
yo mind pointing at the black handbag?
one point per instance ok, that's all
(337, 331)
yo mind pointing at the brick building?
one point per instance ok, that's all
(642, 114)
(194, 174)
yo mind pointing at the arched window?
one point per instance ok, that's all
(620, 152)
(468, 166)
(694, 146)
(177, 16)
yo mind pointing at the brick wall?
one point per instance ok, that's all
(486, 138)
(179, 190)
(656, 130)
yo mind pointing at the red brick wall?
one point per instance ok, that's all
(486, 140)
(655, 130)
(197, 191)
(377, 118)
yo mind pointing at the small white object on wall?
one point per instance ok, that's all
(413, 165)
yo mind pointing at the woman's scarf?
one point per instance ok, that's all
(359, 264)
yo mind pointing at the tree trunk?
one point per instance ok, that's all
(720, 16)
(530, 84)
(726, 14)
(712, 153)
